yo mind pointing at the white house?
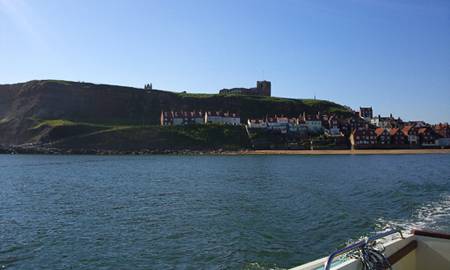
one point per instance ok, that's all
(231, 119)
(278, 123)
(178, 119)
(386, 122)
(170, 118)
(334, 132)
(313, 122)
(314, 125)
(222, 118)
(214, 118)
(296, 126)
(333, 126)
(256, 123)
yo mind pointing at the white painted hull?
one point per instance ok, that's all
(416, 251)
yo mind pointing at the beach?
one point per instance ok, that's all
(348, 152)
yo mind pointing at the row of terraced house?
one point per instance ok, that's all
(361, 130)
(179, 118)
(305, 123)
(394, 132)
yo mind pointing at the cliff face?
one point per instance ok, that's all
(21, 105)
(25, 105)
(67, 100)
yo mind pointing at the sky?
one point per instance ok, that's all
(393, 55)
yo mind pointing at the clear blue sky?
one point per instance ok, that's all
(393, 55)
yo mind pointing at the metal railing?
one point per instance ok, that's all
(358, 244)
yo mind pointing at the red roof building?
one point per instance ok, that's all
(411, 132)
(169, 118)
(363, 137)
(427, 135)
(398, 137)
(383, 136)
(442, 130)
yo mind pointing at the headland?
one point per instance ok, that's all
(64, 117)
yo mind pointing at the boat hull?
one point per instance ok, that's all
(419, 250)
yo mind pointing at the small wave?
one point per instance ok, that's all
(261, 266)
(434, 215)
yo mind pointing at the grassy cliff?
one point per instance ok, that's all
(75, 113)
(154, 138)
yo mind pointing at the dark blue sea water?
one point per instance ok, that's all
(208, 212)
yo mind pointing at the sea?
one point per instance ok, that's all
(209, 212)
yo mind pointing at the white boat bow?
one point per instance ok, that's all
(418, 250)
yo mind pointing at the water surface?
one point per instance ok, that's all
(208, 212)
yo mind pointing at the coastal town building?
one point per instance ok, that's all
(338, 130)
(222, 118)
(398, 137)
(278, 123)
(366, 113)
(314, 125)
(284, 124)
(443, 142)
(295, 125)
(442, 130)
(386, 122)
(333, 122)
(263, 88)
(411, 133)
(334, 127)
(257, 123)
(345, 127)
(166, 118)
(214, 117)
(334, 132)
(313, 122)
(383, 136)
(325, 118)
(363, 137)
(178, 118)
(427, 136)
(357, 121)
(416, 124)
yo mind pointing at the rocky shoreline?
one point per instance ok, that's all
(39, 150)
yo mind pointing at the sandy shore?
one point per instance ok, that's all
(348, 152)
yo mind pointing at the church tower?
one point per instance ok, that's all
(264, 88)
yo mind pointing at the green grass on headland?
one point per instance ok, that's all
(81, 135)
(53, 123)
(65, 122)
(196, 137)
(252, 106)
(194, 95)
